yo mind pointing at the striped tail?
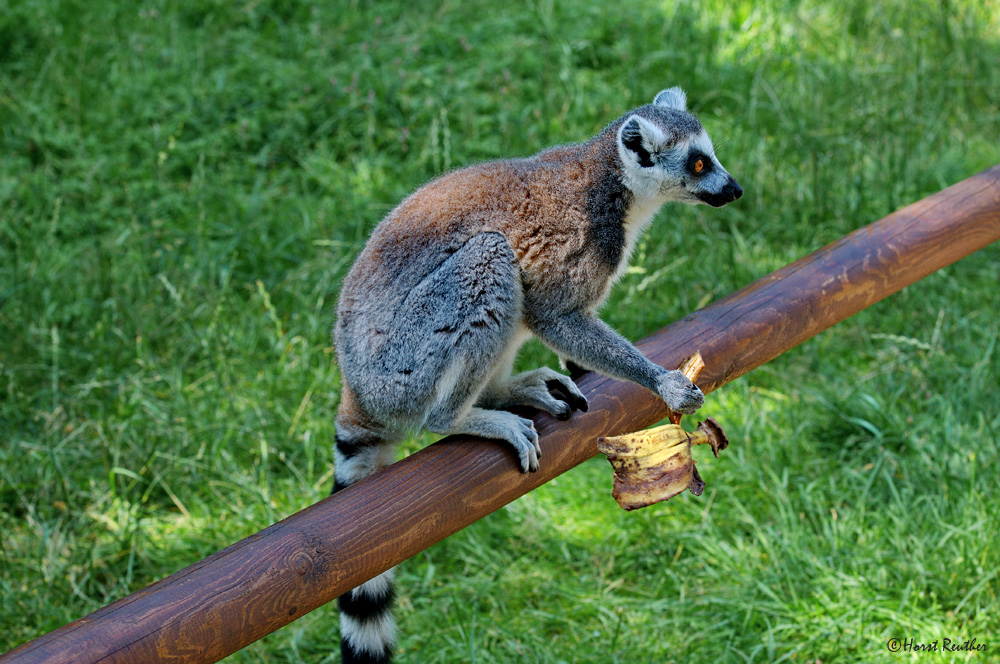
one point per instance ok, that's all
(367, 626)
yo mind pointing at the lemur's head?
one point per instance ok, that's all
(666, 155)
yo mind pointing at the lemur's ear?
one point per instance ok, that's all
(641, 139)
(672, 98)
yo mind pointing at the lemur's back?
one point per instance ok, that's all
(539, 204)
(525, 199)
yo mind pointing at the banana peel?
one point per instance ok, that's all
(654, 465)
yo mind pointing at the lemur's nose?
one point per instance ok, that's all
(733, 190)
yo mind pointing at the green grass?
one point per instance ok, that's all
(184, 185)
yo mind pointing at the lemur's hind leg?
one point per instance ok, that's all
(445, 342)
(542, 388)
(472, 305)
(495, 424)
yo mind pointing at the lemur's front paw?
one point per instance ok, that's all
(679, 393)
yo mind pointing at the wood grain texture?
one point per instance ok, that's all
(225, 602)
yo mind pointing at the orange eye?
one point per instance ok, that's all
(699, 166)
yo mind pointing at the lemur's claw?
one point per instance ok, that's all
(532, 452)
(566, 390)
(578, 402)
(692, 404)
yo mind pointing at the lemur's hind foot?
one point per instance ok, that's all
(500, 425)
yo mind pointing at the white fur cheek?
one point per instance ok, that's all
(645, 183)
(627, 157)
(678, 194)
(645, 189)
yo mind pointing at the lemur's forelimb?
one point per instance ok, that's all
(591, 343)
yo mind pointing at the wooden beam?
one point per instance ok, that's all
(229, 600)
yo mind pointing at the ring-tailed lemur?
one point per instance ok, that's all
(454, 280)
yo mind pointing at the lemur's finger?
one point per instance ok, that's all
(576, 398)
(555, 388)
(529, 461)
(553, 403)
(531, 446)
(527, 454)
(533, 454)
(566, 390)
(533, 437)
